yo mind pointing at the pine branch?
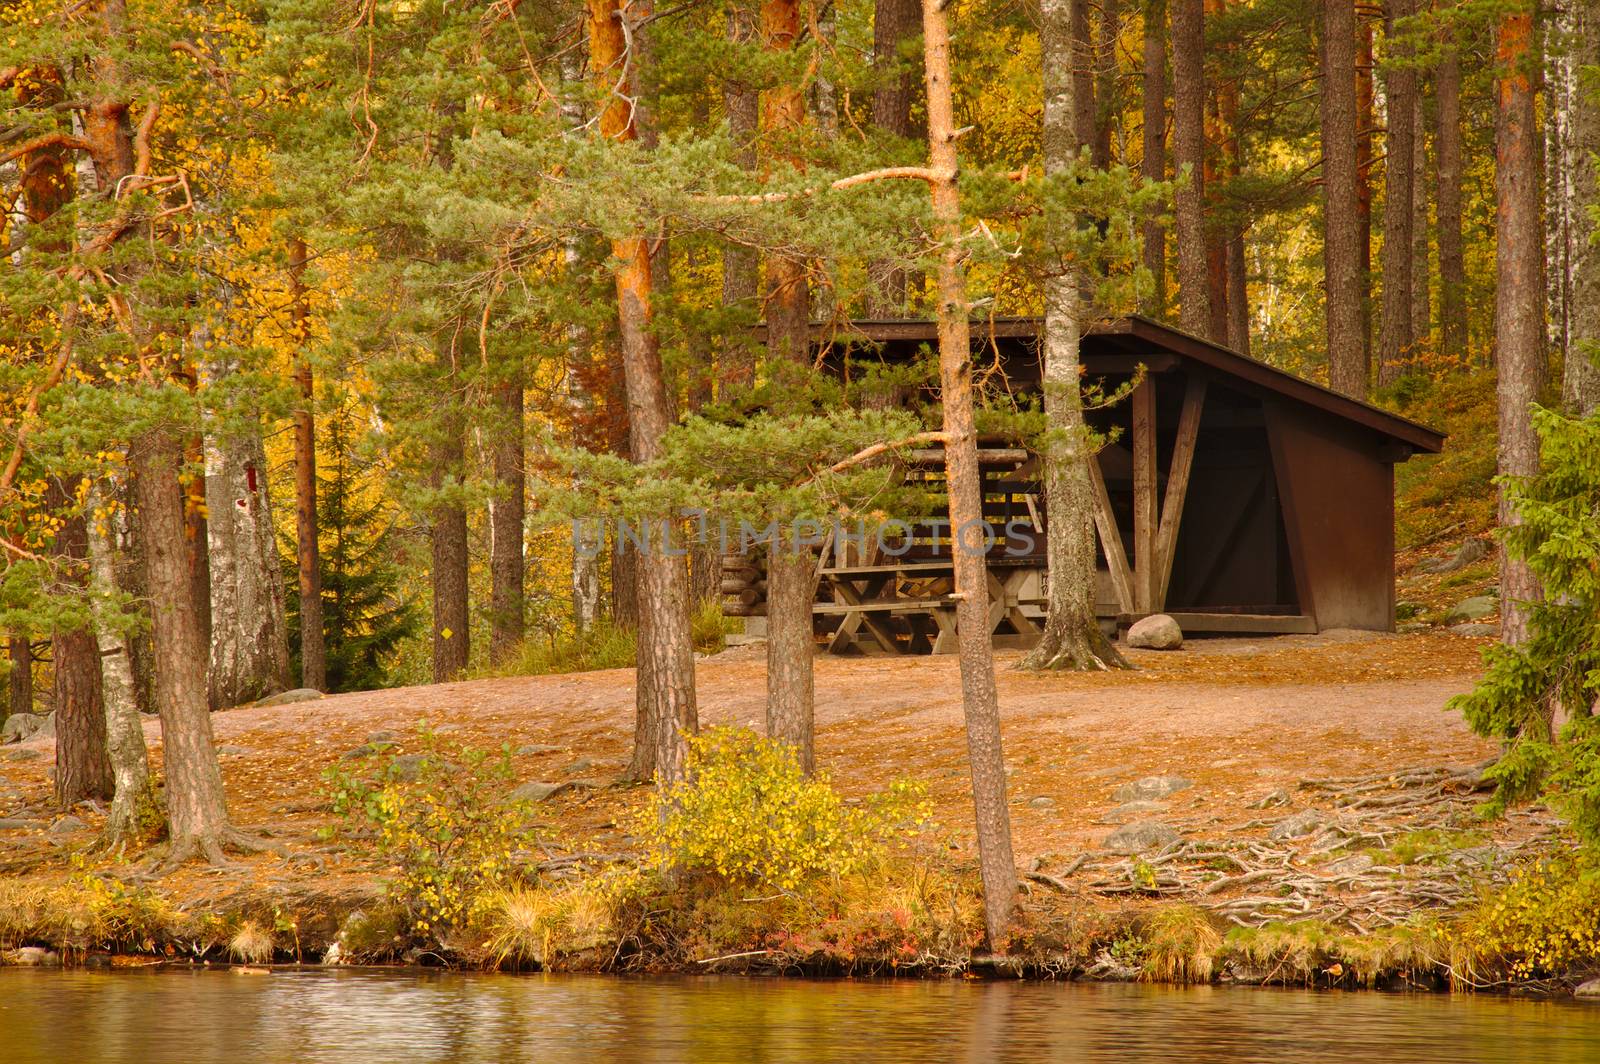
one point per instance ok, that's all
(866, 454)
(41, 142)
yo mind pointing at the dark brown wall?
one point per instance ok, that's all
(1338, 511)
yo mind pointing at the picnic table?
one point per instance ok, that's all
(907, 607)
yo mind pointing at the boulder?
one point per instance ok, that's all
(1589, 989)
(1141, 836)
(382, 737)
(1127, 811)
(31, 957)
(299, 694)
(1274, 798)
(1475, 628)
(67, 825)
(1155, 632)
(1473, 609)
(1298, 826)
(1349, 866)
(20, 727)
(1150, 788)
(529, 749)
(534, 791)
(1041, 802)
(22, 753)
(366, 749)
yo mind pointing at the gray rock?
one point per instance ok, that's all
(32, 957)
(381, 737)
(68, 824)
(1298, 826)
(1155, 632)
(1475, 628)
(1150, 788)
(1475, 549)
(12, 823)
(1127, 811)
(299, 694)
(1269, 801)
(22, 753)
(1590, 989)
(529, 749)
(20, 727)
(1041, 802)
(534, 791)
(367, 749)
(408, 767)
(1141, 836)
(1473, 609)
(583, 764)
(1349, 866)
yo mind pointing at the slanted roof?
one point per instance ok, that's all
(1137, 334)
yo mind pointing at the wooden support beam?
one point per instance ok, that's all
(1194, 398)
(1105, 522)
(1145, 564)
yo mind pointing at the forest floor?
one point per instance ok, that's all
(1346, 731)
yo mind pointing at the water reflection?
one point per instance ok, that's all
(322, 1017)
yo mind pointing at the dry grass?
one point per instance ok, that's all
(251, 944)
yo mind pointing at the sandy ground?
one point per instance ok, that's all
(1238, 717)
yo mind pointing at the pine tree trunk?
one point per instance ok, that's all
(740, 265)
(1108, 96)
(1394, 328)
(125, 746)
(1366, 123)
(1580, 388)
(249, 633)
(980, 700)
(196, 538)
(665, 692)
(506, 516)
(197, 814)
(1421, 242)
(1343, 281)
(1216, 140)
(1188, 153)
(1153, 164)
(452, 642)
(1082, 67)
(894, 22)
(1447, 158)
(1072, 637)
(308, 566)
(82, 769)
(19, 677)
(1519, 301)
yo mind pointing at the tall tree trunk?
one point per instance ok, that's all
(1421, 242)
(1216, 229)
(740, 264)
(506, 515)
(1580, 386)
(894, 24)
(1447, 158)
(996, 865)
(1394, 328)
(125, 746)
(197, 814)
(1072, 637)
(665, 694)
(1108, 86)
(452, 641)
(1343, 275)
(1188, 153)
(308, 565)
(790, 644)
(1366, 127)
(1082, 67)
(82, 768)
(1519, 302)
(19, 677)
(196, 538)
(1153, 164)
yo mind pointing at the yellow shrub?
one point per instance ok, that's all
(749, 815)
(1546, 920)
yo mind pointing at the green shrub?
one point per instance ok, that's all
(442, 817)
(749, 815)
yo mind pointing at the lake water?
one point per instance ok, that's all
(290, 1017)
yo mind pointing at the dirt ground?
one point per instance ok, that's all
(1240, 718)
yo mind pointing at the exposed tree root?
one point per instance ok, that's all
(1076, 648)
(212, 849)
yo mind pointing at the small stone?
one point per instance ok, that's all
(1298, 826)
(68, 824)
(1133, 811)
(1141, 836)
(1590, 989)
(1271, 800)
(32, 957)
(1472, 609)
(231, 751)
(1041, 802)
(534, 791)
(299, 694)
(1155, 632)
(22, 754)
(1150, 788)
(368, 749)
(381, 737)
(1475, 628)
(531, 749)
(583, 764)
(1349, 866)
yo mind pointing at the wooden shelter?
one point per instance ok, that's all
(1234, 496)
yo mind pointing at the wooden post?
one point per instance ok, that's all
(1194, 398)
(1105, 522)
(1145, 565)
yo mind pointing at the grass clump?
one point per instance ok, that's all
(251, 944)
(1179, 944)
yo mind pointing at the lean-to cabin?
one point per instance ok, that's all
(1234, 496)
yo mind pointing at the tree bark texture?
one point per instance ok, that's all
(1108, 82)
(665, 693)
(1366, 133)
(996, 865)
(1421, 242)
(82, 768)
(740, 265)
(507, 514)
(1453, 339)
(19, 677)
(308, 565)
(1519, 300)
(1580, 386)
(1153, 163)
(1188, 154)
(452, 643)
(1394, 327)
(894, 24)
(1344, 275)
